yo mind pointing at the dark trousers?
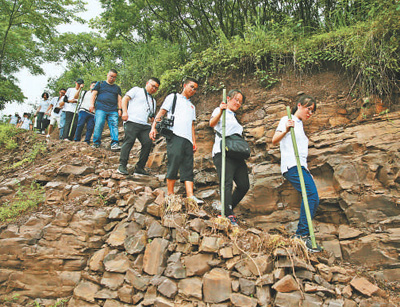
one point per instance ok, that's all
(69, 116)
(135, 131)
(235, 171)
(312, 196)
(88, 119)
(39, 121)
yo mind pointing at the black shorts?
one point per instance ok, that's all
(180, 158)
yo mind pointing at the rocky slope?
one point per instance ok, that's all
(101, 239)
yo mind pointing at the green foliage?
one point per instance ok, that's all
(7, 133)
(30, 155)
(25, 199)
(27, 29)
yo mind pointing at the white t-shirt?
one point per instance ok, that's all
(139, 108)
(85, 105)
(70, 106)
(185, 115)
(232, 126)
(26, 122)
(13, 120)
(288, 158)
(44, 104)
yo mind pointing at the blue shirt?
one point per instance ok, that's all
(107, 96)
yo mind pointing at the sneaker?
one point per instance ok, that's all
(96, 146)
(141, 171)
(47, 135)
(43, 132)
(233, 220)
(122, 170)
(115, 147)
(196, 200)
(307, 241)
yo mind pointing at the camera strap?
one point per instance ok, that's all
(152, 109)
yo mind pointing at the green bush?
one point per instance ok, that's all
(7, 133)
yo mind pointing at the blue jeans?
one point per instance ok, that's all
(88, 119)
(312, 196)
(61, 126)
(100, 118)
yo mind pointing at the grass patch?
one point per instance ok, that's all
(30, 156)
(7, 133)
(25, 199)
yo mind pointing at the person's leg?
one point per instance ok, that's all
(45, 123)
(174, 146)
(39, 120)
(99, 121)
(146, 143)
(186, 166)
(67, 125)
(312, 196)
(170, 186)
(89, 127)
(62, 124)
(241, 178)
(112, 120)
(80, 126)
(131, 131)
(229, 172)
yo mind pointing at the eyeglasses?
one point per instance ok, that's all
(112, 77)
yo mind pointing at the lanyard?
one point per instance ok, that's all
(149, 110)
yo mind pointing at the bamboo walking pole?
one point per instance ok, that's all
(78, 103)
(223, 156)
(303, 186)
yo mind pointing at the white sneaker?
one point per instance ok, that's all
(196, 200)
(47, 135)
(115, 147)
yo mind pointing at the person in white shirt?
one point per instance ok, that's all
(54, 111)
(182, 144)
(26, 122)
(138, 111)
(302, 111)
(235, 169)
(71, 99)
(85, 116)
(41, 119)
(13, 119)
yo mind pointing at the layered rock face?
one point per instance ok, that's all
(106, 240)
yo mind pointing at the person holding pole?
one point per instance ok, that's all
(235, 169)
(71, 100)
(302, 111)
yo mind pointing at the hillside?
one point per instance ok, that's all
(100, 239)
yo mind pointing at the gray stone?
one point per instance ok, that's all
(168, 288)
(216, 286)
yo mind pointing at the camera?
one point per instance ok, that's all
(164, 126)
(151, 115)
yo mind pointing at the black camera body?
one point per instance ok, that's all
(164, 126)
(151, 115)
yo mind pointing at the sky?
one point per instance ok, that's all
(33, 86)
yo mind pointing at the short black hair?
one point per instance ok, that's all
(45, 93)
(62, 89)
(113, 70)
(190, 79)
(155, 80)
(93, 82)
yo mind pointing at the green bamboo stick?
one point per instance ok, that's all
(303, 186)
(73, 118)
(223, 156)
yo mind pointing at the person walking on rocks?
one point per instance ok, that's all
(107, 97)
(54, 111)
(26, 122)
(302, 111)
(138, 111)
(71, 99)
(235, 169)
(181, 145)
(41, 119)
(85, 116)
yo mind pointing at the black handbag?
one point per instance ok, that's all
(164, 126)
(236, 146)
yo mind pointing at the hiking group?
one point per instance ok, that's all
(175, 120)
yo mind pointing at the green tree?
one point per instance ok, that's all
(27, 29)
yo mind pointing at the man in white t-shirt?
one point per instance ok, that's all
(71, 99)
(54, 110)
(182, 144)
(85, 116)
(26, 122)
(138, 111)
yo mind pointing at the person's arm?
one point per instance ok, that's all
(93, 100)
(279, 135)
(37, 111)
(124, 107)
(119, 105)
(76, 96)
(153, 131)
(194, 137)
(214, 120)
(49, 109)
